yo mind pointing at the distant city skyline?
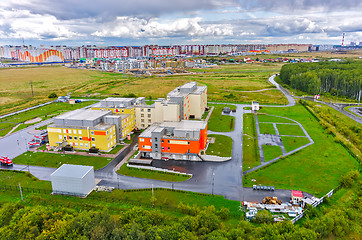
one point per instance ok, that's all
(142, 22)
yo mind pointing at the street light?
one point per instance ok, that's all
(213, 178)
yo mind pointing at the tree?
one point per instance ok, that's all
(263, 217)
(53, 95)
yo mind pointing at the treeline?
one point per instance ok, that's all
(21, 221)
(325, 78)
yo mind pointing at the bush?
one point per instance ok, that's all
(349, 178)
(263, 217)
(53, 95)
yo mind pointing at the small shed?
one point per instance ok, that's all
(296, 196)
(75, 180)
(255, 106)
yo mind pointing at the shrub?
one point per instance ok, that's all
(53, 95)
(348, 178)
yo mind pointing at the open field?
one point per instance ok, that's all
(251, 156)
(55, 160)
(218, 122)
(291, 143)
(150, 174)
(271, 152)
(223, 83)
(266, 128)
(272, 119)
(44, 112)
(315, 169)
(222, 147)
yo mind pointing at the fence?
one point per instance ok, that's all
(315, 204)
(4, 188)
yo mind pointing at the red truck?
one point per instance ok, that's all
(5, 161)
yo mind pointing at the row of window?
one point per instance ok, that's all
(148, 115)
(80, 131)
(81, 138)
(148, 110)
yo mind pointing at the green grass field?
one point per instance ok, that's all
(55, 160)
(116, 149)
(218, 122)
(266, 118)
(222, 147)
(45, 112)
(150, 174)
(251, 157)
(13, 178)
(288, 129)
(291, 143)
(271, 152)
(315, 169)
(266, 128)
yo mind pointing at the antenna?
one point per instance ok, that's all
(343, 39)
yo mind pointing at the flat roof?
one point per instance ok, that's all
(119, 99)
(297, 193)
(83, 114)
(101, 126)
(182, 125)
(72, 171)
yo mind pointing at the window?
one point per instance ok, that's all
(149, 115)
(74, 131)
(75, 137)
(168, 148)
(64, 130)
(142, 109)
(168, 141)
(86, 144)
(142, 139)
(122, 110)
(188, 143)
(79, 131)
(80, 138)
(81, 144)
(60, 137)
(162, 141)
(76, 144)
(65, 137)
(155, 139)
(107, 133)
(142, 120)
(108, 145)
(156, 145)
(93, 139)
(149, 120)
(114, 134)
(142, 115)
(148, 110)
(93, 145)
(92, 132)
(70, 137)
(142, 125)
(162, 148)
(107, 138)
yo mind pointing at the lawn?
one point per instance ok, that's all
(55, 160)
(150, 174)
(222, 147)
(218, 122)
(116, 149)
(44, 112)
(291, 143)
(13, 178)
(271, 152)
(266, 128)
(272, 119)
(289, 129)
(251, 157)
(315, 169)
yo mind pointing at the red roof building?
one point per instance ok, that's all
(296, 196)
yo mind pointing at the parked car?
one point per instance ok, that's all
(34, 143)
(6, 161)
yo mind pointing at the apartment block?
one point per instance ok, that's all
(86, 128)
(185, 102)
(183, 140)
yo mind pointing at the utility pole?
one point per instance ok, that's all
(32, 92)
(21, 193)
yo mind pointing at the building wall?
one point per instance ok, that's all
(83, 138)
(128, 124)
(186, 108)
(145, 144)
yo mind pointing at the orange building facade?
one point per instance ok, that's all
(183, 140)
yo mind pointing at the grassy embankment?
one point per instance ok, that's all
(251, 157)
(315, 169)
(222, 147)
(119, 200)
(44, 112)
(55, 160)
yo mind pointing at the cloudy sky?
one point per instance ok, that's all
(164, 22)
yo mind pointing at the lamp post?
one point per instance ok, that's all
(213, 178)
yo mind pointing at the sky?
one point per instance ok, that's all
(172, 22)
